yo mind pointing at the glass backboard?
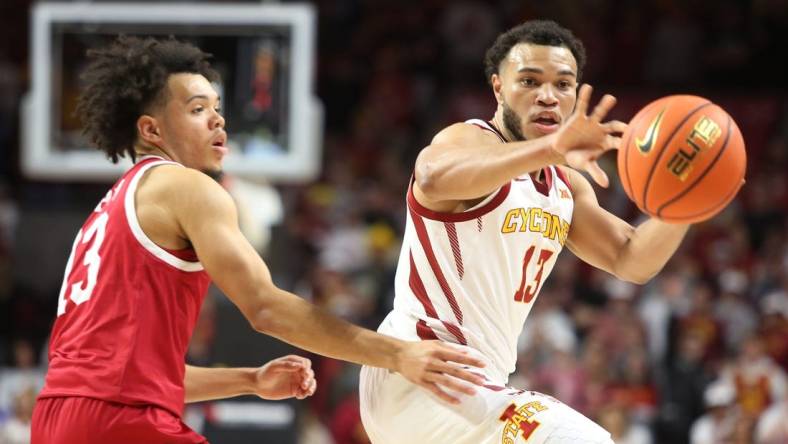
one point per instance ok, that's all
(264, 53)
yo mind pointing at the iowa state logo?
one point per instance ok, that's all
(518, 421)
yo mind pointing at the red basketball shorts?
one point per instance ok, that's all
(77, 420)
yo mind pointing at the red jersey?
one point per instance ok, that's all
(126, 309)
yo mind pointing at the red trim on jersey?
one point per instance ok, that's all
(424, 331)
(420, 210)
(544, 187)
(456, 332)
(498, 132)
(424, 239)
(563, 178)
(451, 231)
(417, 287)
(490, 129)
(490, 386)
(495, 388)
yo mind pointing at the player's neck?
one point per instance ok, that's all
(497, 123)
(143, 151)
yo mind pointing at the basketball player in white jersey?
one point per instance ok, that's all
(490, 206)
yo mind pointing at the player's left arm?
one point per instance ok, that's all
(634, 254)
(286, 377)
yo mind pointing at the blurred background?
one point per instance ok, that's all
(699, 354)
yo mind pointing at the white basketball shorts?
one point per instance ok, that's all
(394, 411)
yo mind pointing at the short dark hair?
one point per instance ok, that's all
(538, 32)
(124, 80)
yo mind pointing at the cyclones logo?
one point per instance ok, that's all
(518, 420)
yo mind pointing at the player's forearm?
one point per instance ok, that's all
(469, 172)
(299, 323)
(648, 249)
(205, 384)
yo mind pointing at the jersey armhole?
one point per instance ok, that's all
(490, 203)
(564, 177)
(134, 224)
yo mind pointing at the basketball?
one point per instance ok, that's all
(682, 159)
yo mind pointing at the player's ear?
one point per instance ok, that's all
(148, 129)
(495, 80)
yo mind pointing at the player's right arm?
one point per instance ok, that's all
(281, 378)
(465, 162)
(206, 215)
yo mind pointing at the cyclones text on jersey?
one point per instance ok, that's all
(536, 220)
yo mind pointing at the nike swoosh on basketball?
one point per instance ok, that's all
(645, 144)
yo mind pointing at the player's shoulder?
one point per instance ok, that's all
(173, 176)
(179, 186)
(465, 133)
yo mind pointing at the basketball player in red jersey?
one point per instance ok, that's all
(491, 205)
(142, 262)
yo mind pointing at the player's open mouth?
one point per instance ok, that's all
(220, 145)
(546, 122)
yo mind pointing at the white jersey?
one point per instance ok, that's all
(471, 278)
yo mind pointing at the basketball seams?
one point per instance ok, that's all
(702, 175)
(662, 150)
(712, 211)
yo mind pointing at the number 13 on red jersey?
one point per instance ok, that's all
(81, 291)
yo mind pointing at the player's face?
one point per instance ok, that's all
(191, 125)
(536, 88)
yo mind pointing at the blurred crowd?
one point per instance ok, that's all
(698, 355)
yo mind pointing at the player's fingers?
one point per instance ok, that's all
(453, 383)
(285, 366)
(612, 143)
(302, 361)
(460, 372)
(309, 390)
(432, 387)
(307, 378)
(603, 107)
(615, 127)
(597, 173)
(583, 97)
(312, 387)
(448, 354)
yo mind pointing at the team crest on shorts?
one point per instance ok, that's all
(518, 420)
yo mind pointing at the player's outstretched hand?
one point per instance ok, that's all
(285, 377)
(435, 364)
(584, 138)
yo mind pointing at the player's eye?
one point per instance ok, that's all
(218, 109)
(528, 81)
(563, 84)
(198, 110)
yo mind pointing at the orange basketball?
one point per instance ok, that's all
(682, 159)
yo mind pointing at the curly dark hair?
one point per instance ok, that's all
(539, 32)
(123, 82)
